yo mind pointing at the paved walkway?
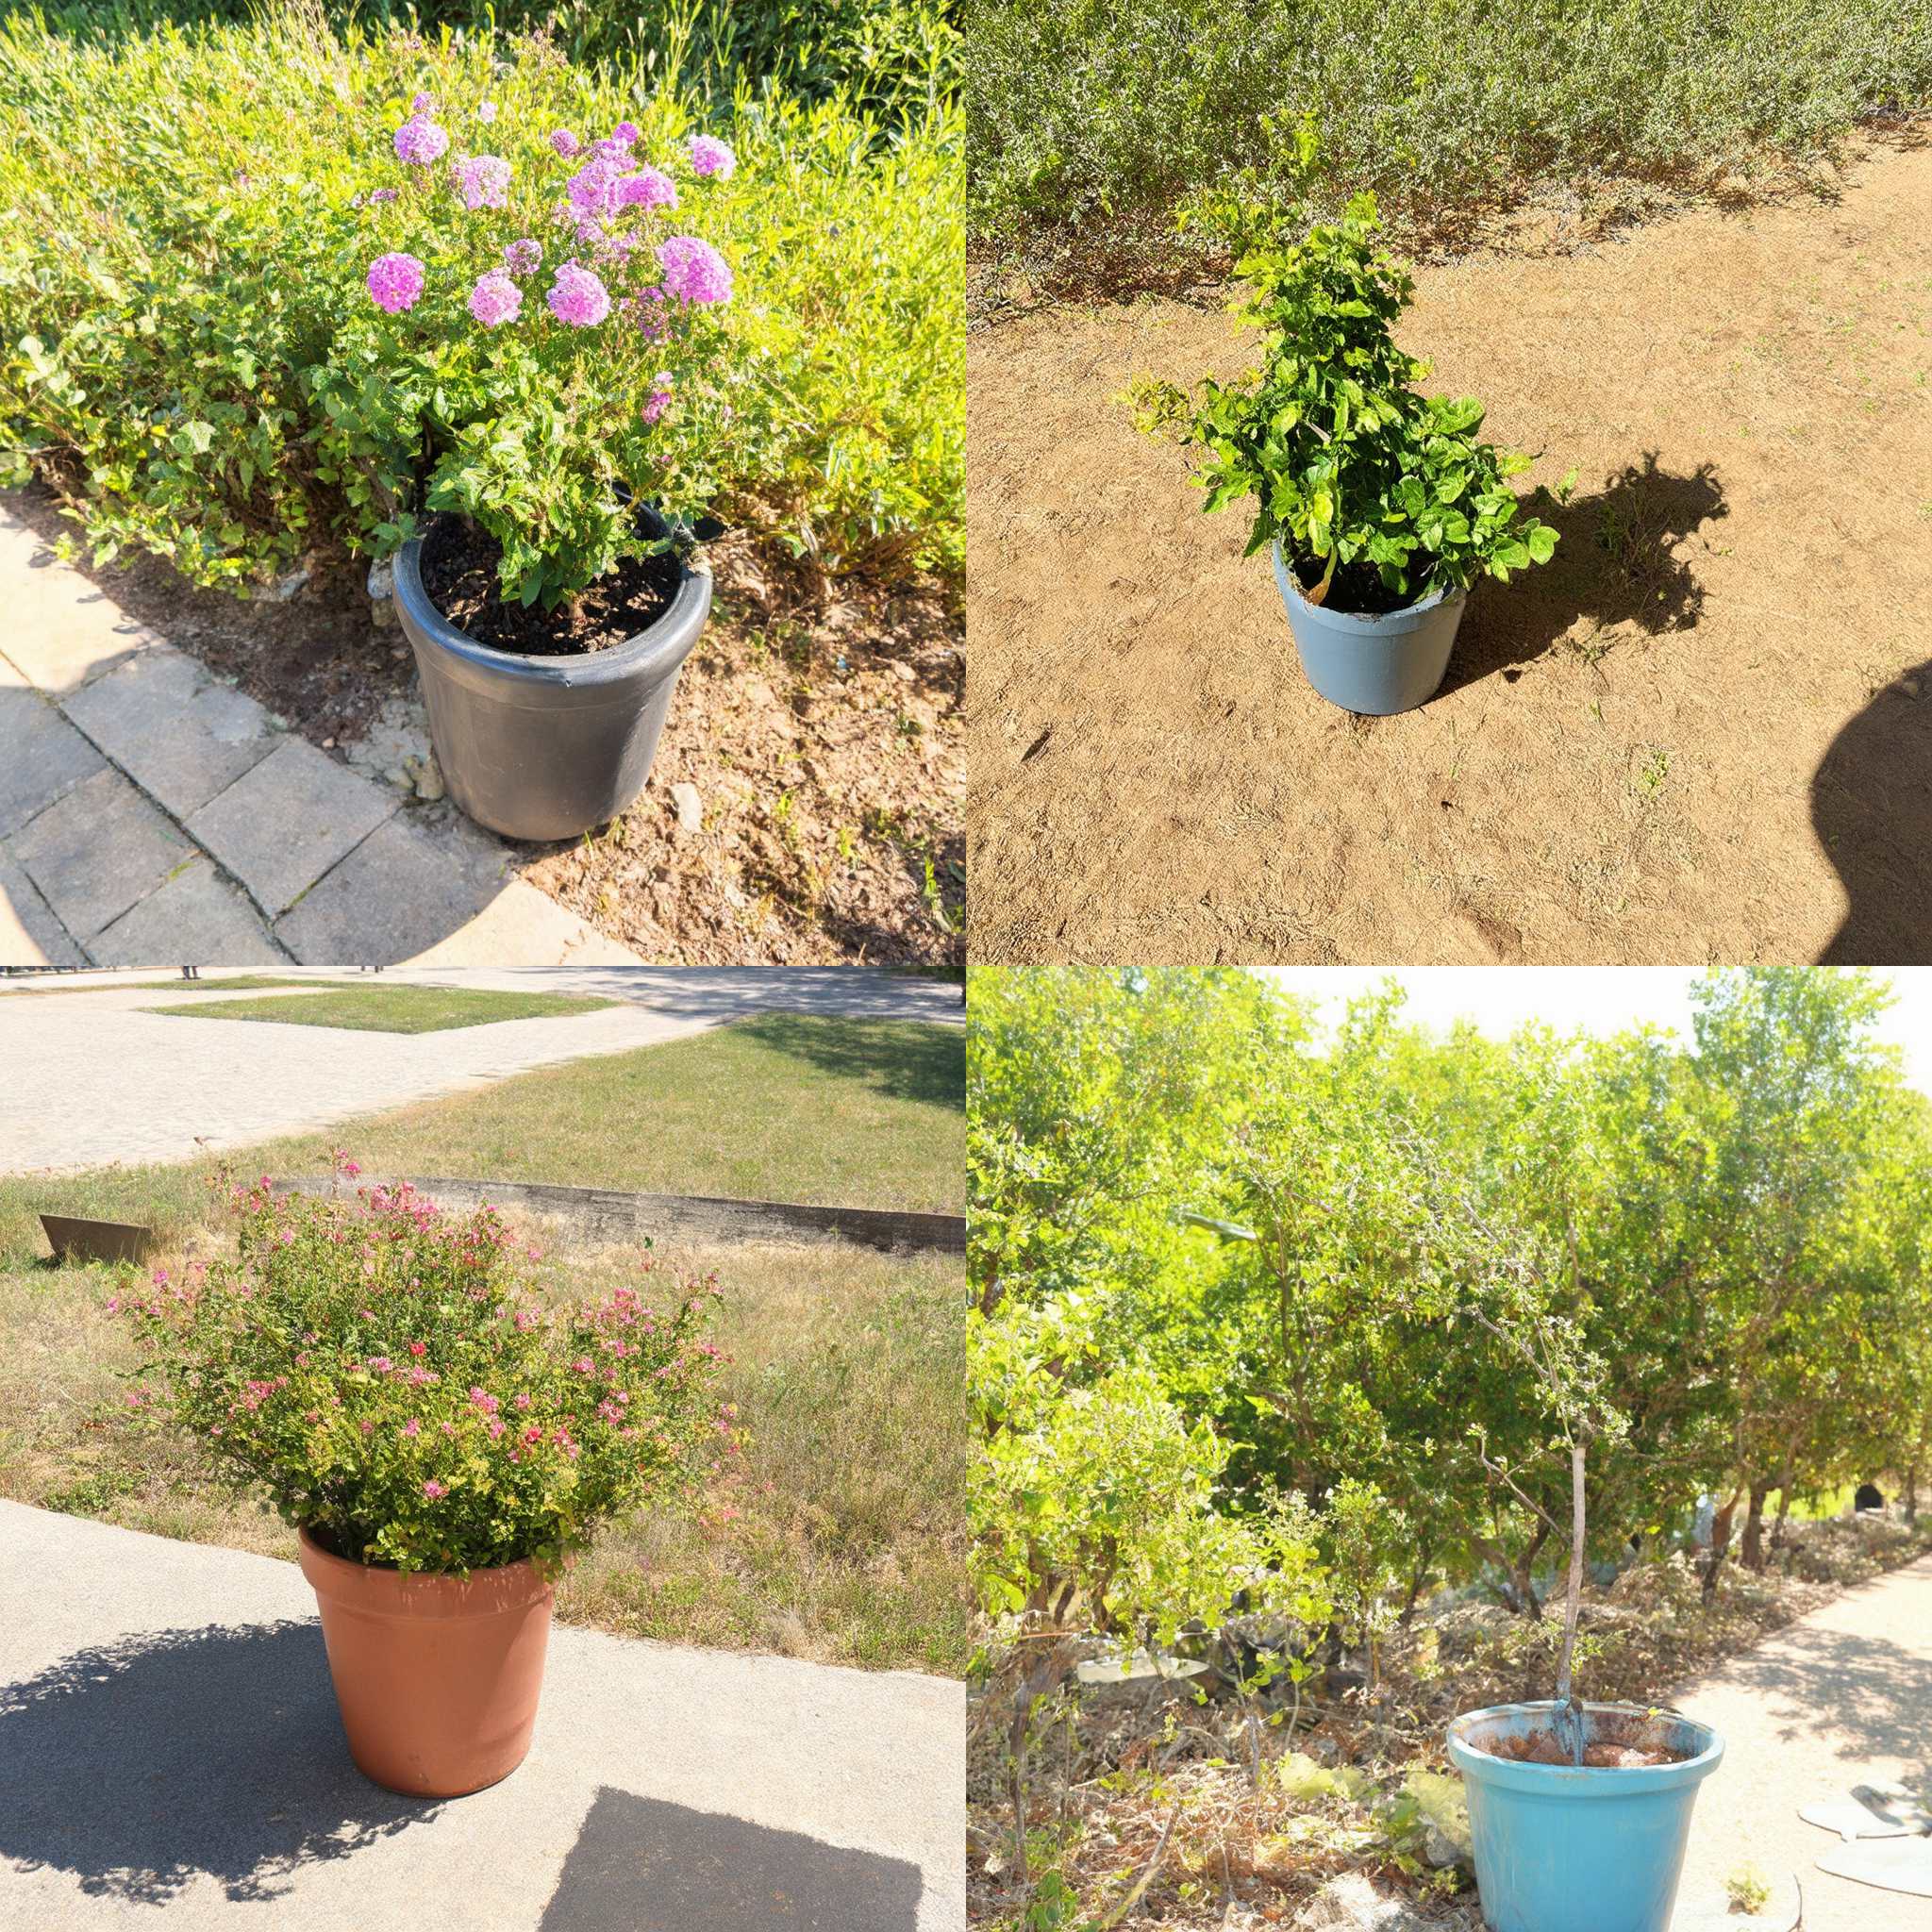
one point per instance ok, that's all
(1840, 1698)
(168, 1736)
(151, 814)
(94, 1077)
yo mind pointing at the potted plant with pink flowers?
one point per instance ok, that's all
(439, 1437)
(540, 344)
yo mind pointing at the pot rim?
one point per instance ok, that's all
(1369, 619)
(667, 638)
(1580, 1781)
(375, 1590)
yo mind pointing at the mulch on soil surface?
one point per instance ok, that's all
(818, 720)
(459, 572)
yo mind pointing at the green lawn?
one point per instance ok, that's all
(396, 1008)
(840, 1537)
(857, 1114)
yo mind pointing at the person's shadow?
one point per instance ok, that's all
(1872, 809)
(1615, 565)
(145, 1764)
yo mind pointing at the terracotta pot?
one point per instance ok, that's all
(437, 1676)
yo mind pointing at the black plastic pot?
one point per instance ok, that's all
(548, 747)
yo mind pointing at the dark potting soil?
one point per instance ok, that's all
(1358, 592)
(1545, 1747)
(459, 564)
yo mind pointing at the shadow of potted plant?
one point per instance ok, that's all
(440, 1439)
(1579, 1812)
(560, 441)
(1381, 505)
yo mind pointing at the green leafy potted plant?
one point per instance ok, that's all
(440, 1439)
(1579, 1812)
(538, 350)
(1381, 504)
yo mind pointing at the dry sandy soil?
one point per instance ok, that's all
(1703, 733)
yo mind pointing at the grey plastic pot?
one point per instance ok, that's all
(548, 747)
(1377, 665)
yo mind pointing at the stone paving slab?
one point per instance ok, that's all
(197, 915)
(42, 756)
(29, 933)
(98, 850)
(178, 732)
(60, 630)
(169, 1740)
(284, 822)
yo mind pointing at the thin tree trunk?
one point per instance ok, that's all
(1753, 1553)
(1523, 1573)
(1573, 1593)
(1720, 1544)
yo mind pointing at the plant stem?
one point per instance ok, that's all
(1572, 1603)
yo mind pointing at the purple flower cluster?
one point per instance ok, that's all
(483, 182)
(577, 297)
(648, 187)
(496, 299)
(396, 282)
(565, 143)
(693, 269)
(420, 140)
(522, 258)
(709, 156)
(658, 400)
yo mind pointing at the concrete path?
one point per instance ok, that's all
(1841, 1697)
(150, 815)
(93, 1078)
(168, 1737)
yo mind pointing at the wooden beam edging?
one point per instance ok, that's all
(606, 1214)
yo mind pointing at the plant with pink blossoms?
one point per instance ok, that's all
(357, 1357)
(630, 312)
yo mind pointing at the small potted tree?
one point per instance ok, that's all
(535, 364)
(440, 1439)
(1578, 1811)
(1382, 504)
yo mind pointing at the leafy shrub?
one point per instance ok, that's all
(892, 58)
(1376, 492)
(378, 1368)
(189, 348)
(1090, 122)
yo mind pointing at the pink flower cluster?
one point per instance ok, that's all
(483, 182)
(496, 299)
(709, 156)
(420, 140)
(577, 297)
(693, 269)
(396, 282)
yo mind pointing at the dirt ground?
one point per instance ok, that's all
(1704, 733)
(819, 723)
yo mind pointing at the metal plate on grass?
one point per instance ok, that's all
(1898, 1864)
(1871, 1811)
(76, 1239)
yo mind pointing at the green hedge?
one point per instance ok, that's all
(893, 57)
(1090, 122)
(180, 290)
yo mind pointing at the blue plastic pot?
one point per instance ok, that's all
(1563, 1850)
(1377, 665)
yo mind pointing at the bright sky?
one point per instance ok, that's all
(1588, 999)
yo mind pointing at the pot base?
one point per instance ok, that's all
(436, 1677)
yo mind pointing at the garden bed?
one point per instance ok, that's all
(820, 722)
(1701, 732)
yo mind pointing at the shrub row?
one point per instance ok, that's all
(1100, 117)
(891, 56)
(185, 238)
